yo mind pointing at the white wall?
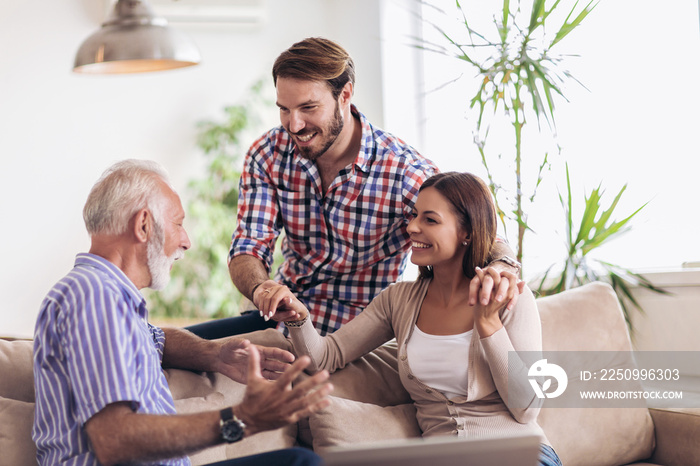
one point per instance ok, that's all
(670, 322)
(59, 131)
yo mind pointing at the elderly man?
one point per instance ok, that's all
(101, 395)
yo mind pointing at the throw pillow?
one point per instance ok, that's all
(589, 318)
(347, 422)
(228, 393)
(16, 443)
(16, 359)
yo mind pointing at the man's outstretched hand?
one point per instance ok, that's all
(234, 356)
(268, 405)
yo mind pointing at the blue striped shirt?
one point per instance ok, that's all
(93, 346)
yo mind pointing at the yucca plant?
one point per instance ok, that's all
(595, 228)
(519, 79)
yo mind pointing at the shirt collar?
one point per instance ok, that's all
(367, 144)
(91, 260)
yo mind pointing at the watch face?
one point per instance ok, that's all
(232, 430)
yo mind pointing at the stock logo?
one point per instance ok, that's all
(542, 368)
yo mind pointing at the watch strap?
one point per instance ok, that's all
(226, 414)
(508, 260)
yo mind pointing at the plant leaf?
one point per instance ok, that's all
(568, 26)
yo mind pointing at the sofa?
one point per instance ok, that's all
(369, 403)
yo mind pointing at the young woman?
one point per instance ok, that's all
(453, 356)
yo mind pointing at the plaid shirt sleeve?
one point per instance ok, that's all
(257, 228)
(415, 175)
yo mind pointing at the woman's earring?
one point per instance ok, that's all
(464, 243)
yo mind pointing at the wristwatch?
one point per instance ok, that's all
(508, 260)
(232, 428)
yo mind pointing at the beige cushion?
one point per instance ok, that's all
(284, 437)
(16, 359)
(347, 422)
(16, 445)
(209, 392)
(359, 380)
(269, 337)
(589, 318)
(677, 433)
(211, 402)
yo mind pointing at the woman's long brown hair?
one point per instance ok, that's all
(473, 205)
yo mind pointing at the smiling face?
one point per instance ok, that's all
(436, 233)
(169, 240)
(310, 115)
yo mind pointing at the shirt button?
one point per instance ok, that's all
(427, 390)
(460, 427)
(410, 376)
(403, 357)
(450, 402)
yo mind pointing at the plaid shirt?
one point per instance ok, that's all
(341, 247)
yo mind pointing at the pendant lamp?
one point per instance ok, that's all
(134, 40)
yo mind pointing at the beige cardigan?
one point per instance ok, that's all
(482, 412)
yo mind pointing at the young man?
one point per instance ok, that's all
(101, 395)
(340, 188)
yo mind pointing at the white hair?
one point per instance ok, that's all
(123, 189)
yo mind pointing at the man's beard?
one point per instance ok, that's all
(158, 263)
(330, 133)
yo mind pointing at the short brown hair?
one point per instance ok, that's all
(316, 59)
(473, 205)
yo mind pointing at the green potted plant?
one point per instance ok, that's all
(519, 78)
(200, 285)
(596, 227)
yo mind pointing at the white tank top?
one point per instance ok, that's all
(440, 361)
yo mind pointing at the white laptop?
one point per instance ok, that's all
(439, 451)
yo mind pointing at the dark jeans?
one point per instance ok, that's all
(289, 457)
(548, 457)
(249, 321)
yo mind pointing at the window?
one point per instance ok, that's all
(636, 123)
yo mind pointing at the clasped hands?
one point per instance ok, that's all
(277, 302)
(489, 291)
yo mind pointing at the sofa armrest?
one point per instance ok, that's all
(677, 432)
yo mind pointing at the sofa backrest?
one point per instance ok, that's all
(16, 404)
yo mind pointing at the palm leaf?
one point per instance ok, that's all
(503, 30)
(596, 229)
(536, 15)
(592, 205)
(568, 26)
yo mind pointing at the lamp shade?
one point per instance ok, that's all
(134, 40)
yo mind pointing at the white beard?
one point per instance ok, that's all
(158, 263)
